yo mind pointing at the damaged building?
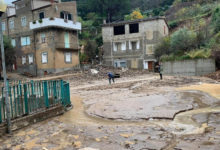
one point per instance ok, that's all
(131, 43)
(44, 34)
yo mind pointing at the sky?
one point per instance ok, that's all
(8, 1)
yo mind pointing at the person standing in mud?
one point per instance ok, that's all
(111, 77)
(160, 71)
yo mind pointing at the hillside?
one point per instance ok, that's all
(194, 31)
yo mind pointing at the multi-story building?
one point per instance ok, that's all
(44, 34)
(131, 43)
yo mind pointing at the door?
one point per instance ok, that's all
(150, 65)
(66, 40)
(146, 65)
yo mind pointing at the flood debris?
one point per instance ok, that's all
(137, 112)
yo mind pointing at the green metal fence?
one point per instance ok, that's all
(34, 96)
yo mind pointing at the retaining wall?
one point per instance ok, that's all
(189, 67)
(33, 118)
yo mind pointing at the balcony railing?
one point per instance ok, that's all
(55, 22)
(63, 45)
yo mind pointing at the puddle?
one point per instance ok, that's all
(211, 89)
(185, 124)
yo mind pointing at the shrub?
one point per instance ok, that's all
(216, 19)
(163, 48)
(34, 22)
(182, 41)
(40, 20)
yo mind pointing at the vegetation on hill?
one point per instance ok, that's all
(194, 25)
(195, 31)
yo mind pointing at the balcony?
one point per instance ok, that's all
(55, 22)
(66, 46)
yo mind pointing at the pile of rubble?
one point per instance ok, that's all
(214, 75)
(100, 72)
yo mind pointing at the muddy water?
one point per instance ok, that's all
(182, 123)
(211, 89)
(78, 116)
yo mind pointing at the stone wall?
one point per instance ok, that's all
(189, 67)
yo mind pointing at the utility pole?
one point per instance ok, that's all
(8, 113)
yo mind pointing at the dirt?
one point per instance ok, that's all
(214, 76)
(193, 123)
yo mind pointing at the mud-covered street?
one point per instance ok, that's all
(136, 113)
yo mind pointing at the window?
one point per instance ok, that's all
(44, 57)
(23, 60)
(3, 26)
(68, 57)
(43, 37)
(119, 30)
(41, 15)
(123, 46)
(69, 16)
(11, 24)
(66, 40)
(31, 58)
(134, 28)
(25, 41)
(23, 21)
(13, 42)
(134, 45)
(65, 15)
(117, 46)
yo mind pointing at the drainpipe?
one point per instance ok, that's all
(34, 38)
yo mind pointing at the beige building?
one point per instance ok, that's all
(131, 43)
(44, 34)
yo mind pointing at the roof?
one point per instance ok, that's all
(133, 21)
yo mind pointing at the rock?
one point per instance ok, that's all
(93, 71)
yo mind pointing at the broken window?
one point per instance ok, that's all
(119, 30)
(134, 28)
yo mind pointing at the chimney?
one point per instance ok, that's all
(52, 1)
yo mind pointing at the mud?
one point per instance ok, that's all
(142, 102)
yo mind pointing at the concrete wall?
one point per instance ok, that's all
(189, 67)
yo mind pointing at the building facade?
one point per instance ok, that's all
(44, 34)
(131, 43)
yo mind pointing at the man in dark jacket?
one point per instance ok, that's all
(111, 77)
(160, 72)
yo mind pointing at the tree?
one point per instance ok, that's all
(163, 48)
(91, 50)
(182, 41)
(136, 14)
(9, 53)
(108, 9)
